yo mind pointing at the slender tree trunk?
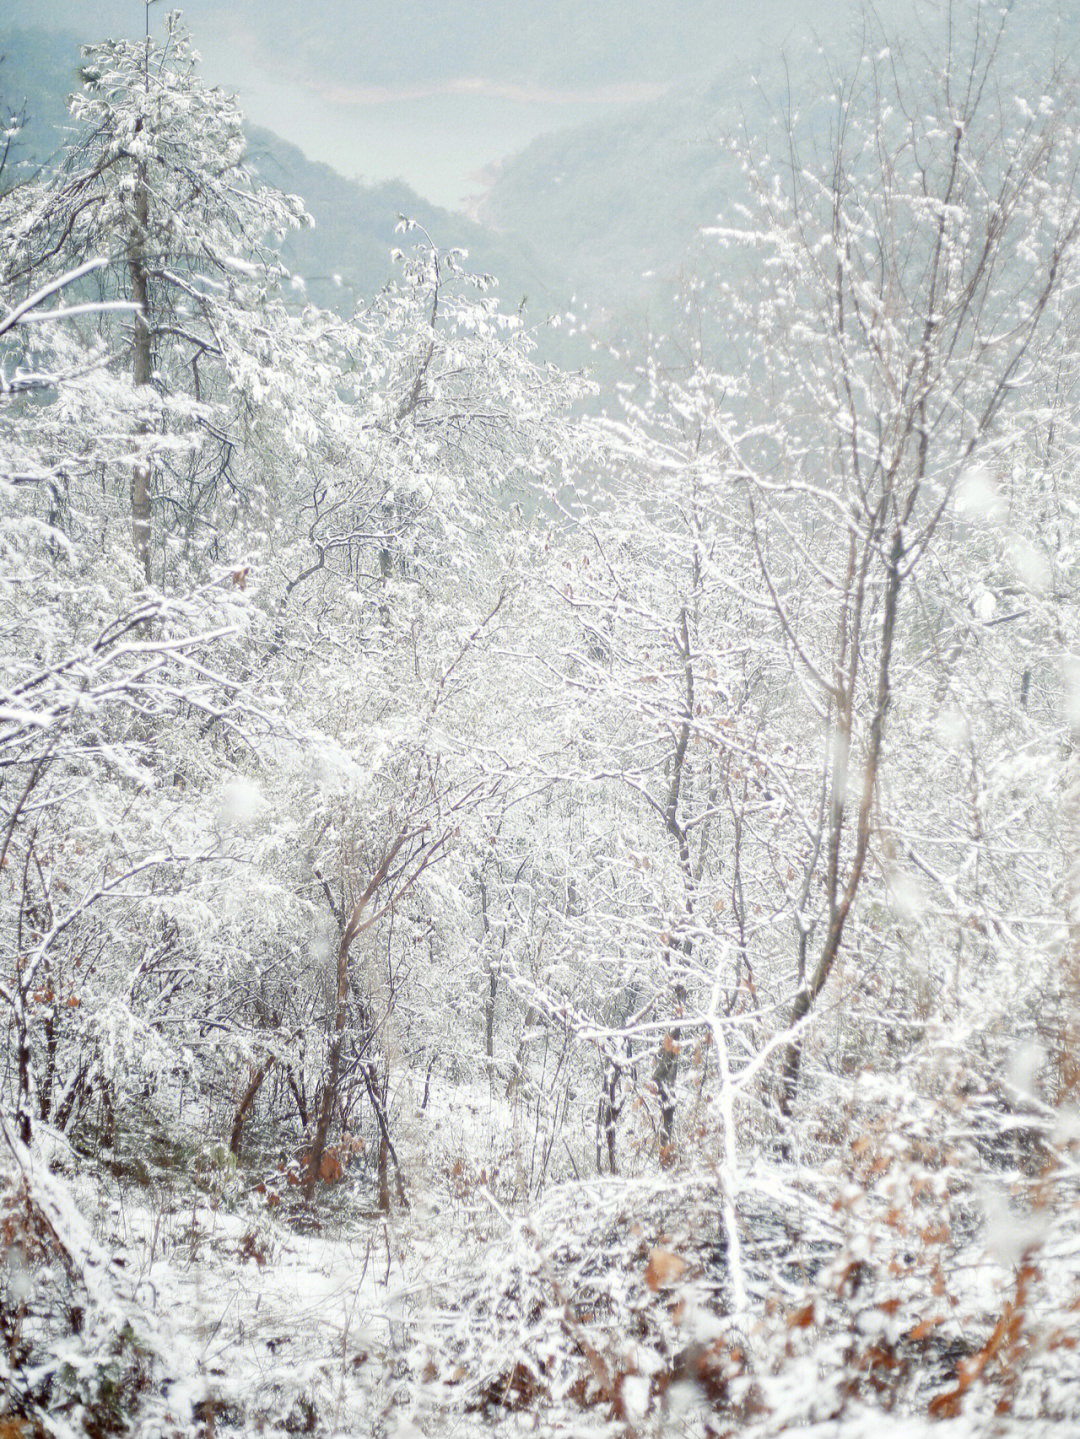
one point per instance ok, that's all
(71, 1098)
(140, 368)
(108, 1113)
(48, 1078)
(666, 1071)
(383, 1171)
(386, 1146)
(246, 1102)
(299, 1098)
(841, 902)
(356, 925)
(427, 1082)
(489, 1010)
(492, 972)
(329, 1095)
(24, 1062)
(606, 1117)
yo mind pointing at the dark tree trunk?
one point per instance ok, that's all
(246, 1102)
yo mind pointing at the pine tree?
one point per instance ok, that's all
(156, 181)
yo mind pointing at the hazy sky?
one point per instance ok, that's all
(353, 85)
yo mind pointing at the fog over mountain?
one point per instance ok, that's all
(433, 93)
(347, 254)
(583, 140)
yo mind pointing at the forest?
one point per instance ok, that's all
(538, 901)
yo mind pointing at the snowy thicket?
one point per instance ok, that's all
(518, 921)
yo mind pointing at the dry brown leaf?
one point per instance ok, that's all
(331, 1168)
(664, 1268)
(925, 1327)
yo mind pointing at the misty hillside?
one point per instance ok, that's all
(355, 228)
(354, 223)
(621, 206)
(623, 195)
(605, 212)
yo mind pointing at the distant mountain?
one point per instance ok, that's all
(355, 232)
(354, 223)
(614, 201)
(618, 208)
(603, 219)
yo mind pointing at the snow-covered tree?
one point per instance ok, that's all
(155, 179)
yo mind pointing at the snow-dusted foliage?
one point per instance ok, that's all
(526, 923)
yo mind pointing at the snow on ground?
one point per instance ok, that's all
(271, 1328)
